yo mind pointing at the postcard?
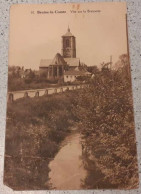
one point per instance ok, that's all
(70, 118)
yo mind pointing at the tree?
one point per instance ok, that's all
(105, 114)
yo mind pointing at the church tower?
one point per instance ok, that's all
(68, 45)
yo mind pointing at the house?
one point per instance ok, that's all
(73, 75)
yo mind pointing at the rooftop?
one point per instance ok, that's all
(77, 72)
(72, 62)
(68, 33)
(58, 60)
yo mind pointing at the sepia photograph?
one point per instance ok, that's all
(70, 117)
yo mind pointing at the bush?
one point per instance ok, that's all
(105, 113)
(35, 129)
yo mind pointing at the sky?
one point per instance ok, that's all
(36, 30)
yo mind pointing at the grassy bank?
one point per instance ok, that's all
(35, 128)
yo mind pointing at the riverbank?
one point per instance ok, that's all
(35, 129)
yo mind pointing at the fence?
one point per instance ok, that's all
(40, 92)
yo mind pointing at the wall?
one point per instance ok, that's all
(69, 78)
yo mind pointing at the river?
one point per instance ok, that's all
(67, 170)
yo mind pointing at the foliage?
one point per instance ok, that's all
(20, 79)
(105, 114)
(93, 69)
(83, 78)
(35, 128)
(18, 84)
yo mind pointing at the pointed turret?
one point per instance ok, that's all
(68, 33)
(68, 29)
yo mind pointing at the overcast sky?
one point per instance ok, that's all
(99, 34)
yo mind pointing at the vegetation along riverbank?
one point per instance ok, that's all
(103, 114)
(35, 128)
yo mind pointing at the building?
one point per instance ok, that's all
(62, 63)
(72, 75)
(19, 72)
(53, 69)
(68, 45)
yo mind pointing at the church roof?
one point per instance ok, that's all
(72, 61)
(58, 60)
(76, 72)
(68, 33)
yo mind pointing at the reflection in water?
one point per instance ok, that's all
(67, 169)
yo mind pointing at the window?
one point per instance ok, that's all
(67, 43)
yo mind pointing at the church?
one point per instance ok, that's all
(63, 64)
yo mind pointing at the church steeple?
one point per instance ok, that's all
(68, 45)
(68, 29)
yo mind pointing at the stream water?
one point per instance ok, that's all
(67, 170)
